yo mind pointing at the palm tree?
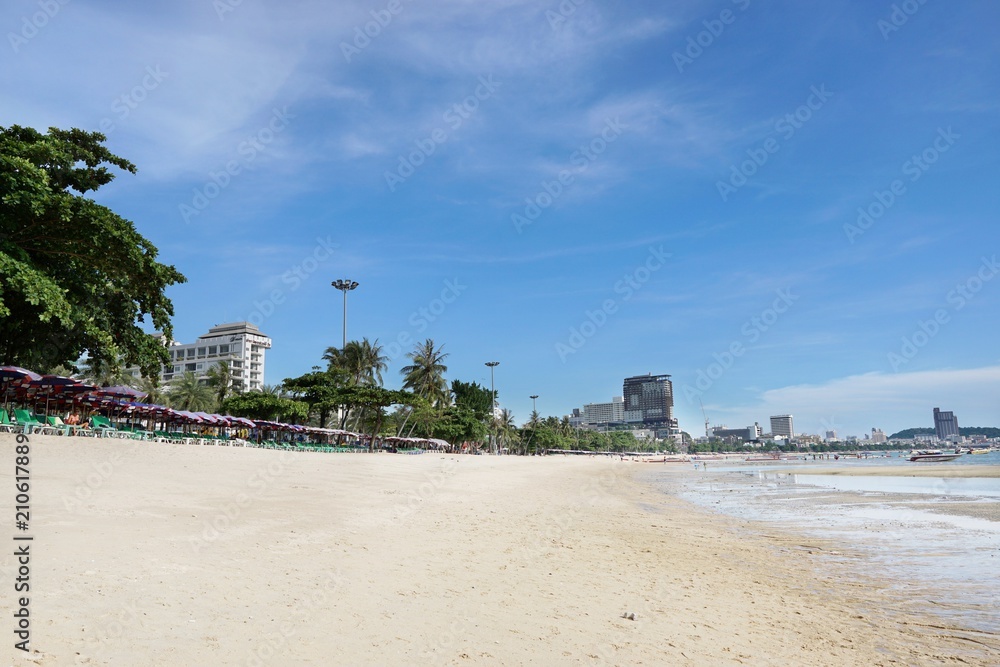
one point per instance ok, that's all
(188, 393)
(153, 389)
(425, 376)
(104, 374)
(220, 378)
(364, 361)
(506, 428)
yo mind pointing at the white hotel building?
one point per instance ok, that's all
(240, 343)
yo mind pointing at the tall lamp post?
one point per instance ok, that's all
(345, 286)
(534, 420)
(493, 395)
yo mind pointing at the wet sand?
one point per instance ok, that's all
(911, 470)
(155, 554)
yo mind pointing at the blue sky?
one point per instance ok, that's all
(581, 191)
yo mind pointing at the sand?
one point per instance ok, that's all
(154, 554)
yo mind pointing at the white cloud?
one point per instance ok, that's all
(854, 404)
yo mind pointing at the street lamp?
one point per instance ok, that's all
(534, 420)
(345, 286)
(493, 395)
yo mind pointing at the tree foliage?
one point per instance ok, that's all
(188, 393)
(317, 390)
(75, 277)
(425, 375)
(471, 396)
(258, 405)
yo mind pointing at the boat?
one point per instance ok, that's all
(979, 451)
(932, 455)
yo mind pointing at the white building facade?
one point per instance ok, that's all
(241, 344)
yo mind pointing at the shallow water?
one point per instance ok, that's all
(903, 528)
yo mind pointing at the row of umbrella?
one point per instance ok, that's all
(124, 402)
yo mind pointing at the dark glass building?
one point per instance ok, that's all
(945, 424)
(649, 400)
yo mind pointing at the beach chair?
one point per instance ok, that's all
(102, 426)
(29, 423)
(5, 423)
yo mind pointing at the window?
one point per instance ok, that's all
(213, 349)
(201, 352)
(190, 354)
(223, 349)
(200, 366)
(190, 367)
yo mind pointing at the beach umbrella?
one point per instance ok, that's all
(16, 373)
(121, 391)
(11, 376)
(51, 386)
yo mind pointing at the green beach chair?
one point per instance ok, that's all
(5, 423)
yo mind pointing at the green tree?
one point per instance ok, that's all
(363, 361)
(371, 401)
(188, 393)
(153, 389)
(317, 390)
(258, 405)
(104, 374)
(220, 379)
(75, 277)
(425, 376)
(473, 397)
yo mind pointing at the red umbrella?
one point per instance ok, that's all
(51, 386)
(121, 391)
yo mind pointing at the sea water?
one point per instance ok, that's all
(933, 541)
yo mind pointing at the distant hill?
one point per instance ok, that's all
(988, 431)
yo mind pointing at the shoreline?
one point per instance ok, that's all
(928, 470)
(176, 555)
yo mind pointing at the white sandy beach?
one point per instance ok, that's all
(153, 554)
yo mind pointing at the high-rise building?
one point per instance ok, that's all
(782, 425)
(649, 400)
(239, 343)
(605, 413)
(945, 424)
(878, 435)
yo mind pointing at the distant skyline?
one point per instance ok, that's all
(788, 207)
